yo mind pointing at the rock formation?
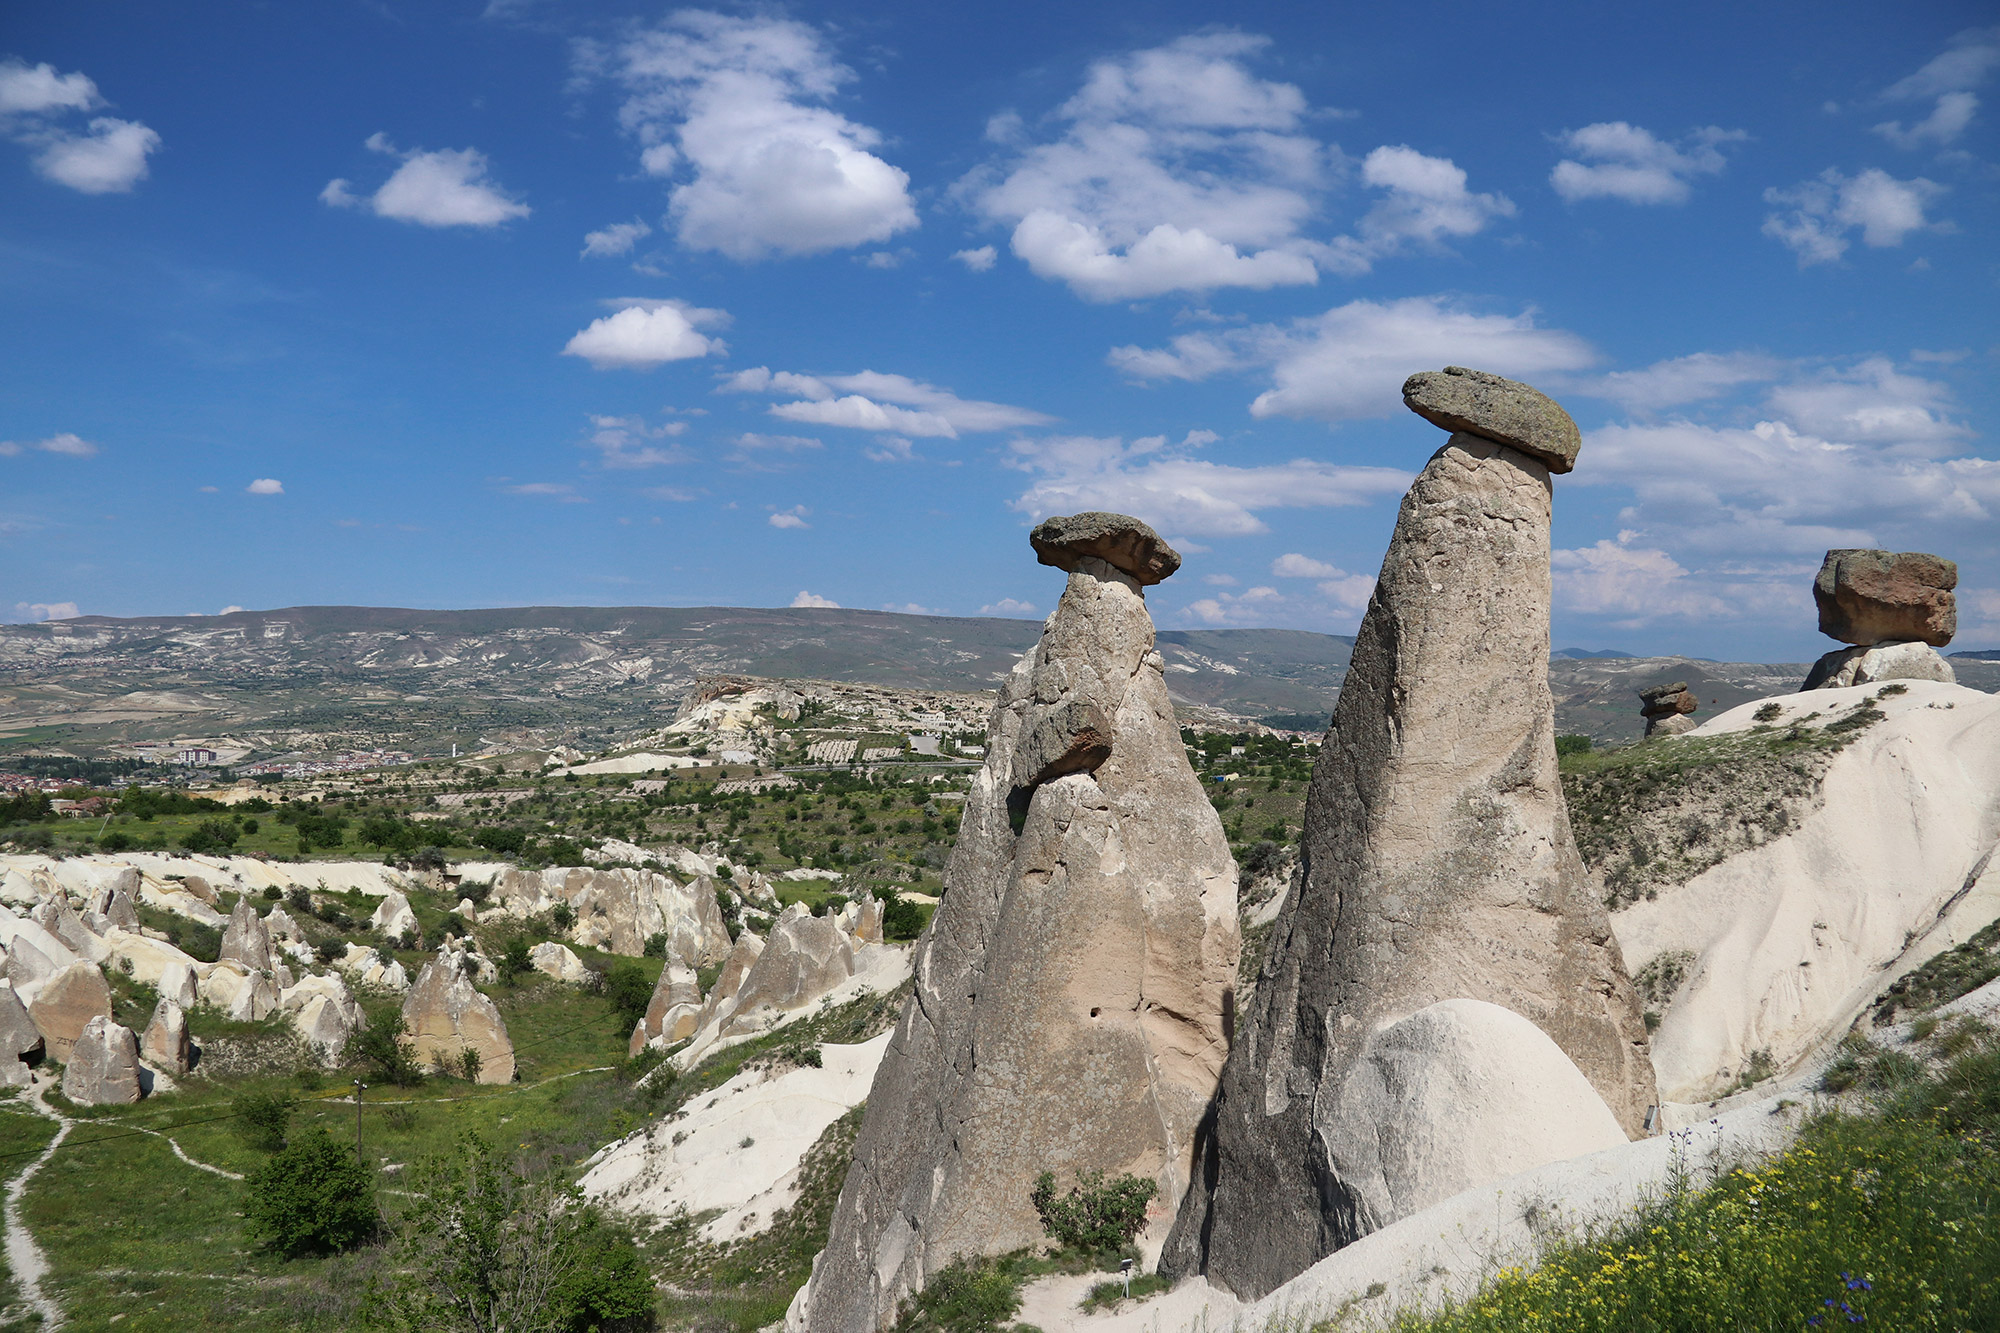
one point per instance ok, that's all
(1073, 989)
(103, 1067)
(65, 1004)
(674, 1012)
(1896, 608)
(246, 941)
(20, 1039)
(446, 1014)
(1437, 865)
(393, 916)
(1666, 709)
(556, 960)
(165, 1044)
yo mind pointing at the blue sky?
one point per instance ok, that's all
(531, 303)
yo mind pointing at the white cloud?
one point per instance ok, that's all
(38, 90)
(1009, 606)
(760, 453)
(1628, 162)
(1294, 566)
(814, 602)
(911, 609)
(890, 449)
(1175, 169)
(229, 610)
(1220, 580)
(674, 494)
(548, 490)
(1819, 213)
(789, 444)
(873, 401)
(614, 240)
(795, 517)
(265, 486)
(980, 260)
(66, 443)
(737, 104)
(1871, 403)
(110, 159)
(1685, 379)
(1615, 578)
(1424, 203)
(629, 443)
(37, 611)
(1170, 488)
(1351, 361)
(37, 109)
(444, 187)
(1947, 120)
(645, 334)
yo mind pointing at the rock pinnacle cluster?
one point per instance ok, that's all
(1443, 938)
(1073, 990)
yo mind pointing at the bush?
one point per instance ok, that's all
(606, 1288)
(388, 1050)
(313, 1197)
(963, 1297)
(656, 945)
(1095, 1217)
(627, 988)
(901, 920)
(264, 1119)
(563, 918)
(1573, 745)
(515, 959)
(212, 837)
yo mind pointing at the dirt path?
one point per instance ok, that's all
(25, 1257)
(199, 1166)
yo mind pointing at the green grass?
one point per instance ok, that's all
(1889, 1210)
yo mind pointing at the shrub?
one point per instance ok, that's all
(901, 920)
(963, 1297)
(515, 960)
(273, 894)
(212, 837)
(606, 1288)
(1096, 1216)
(388, 1050)
(563, 918)
(313, 1197)
(264, 1118)
(628, 990)
(656, 945)
(1573, 745)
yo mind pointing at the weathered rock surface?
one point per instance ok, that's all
(556, 960)
(1666, 709)
(1869, 597)
(103, 1065)
(1880, 662)
(1437, 864)
(393, 916)
(805, 957)
(65, 1004)
(1117, 539)
(165, 1044)
(1502, 410)
(20, 1039)
(445, 1014)
(246, 941)
(674, 1011)
(619, 910)
(1072, 991)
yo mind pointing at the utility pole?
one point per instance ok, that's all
(359, 1088)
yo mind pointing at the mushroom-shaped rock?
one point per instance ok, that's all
(393, 916)
(165, 1043)
(1666, 708)
(20, 1039)
(65, 1004)
(1117, 539)
(246, 941)
(1072, 990)
(556, 960)
(1437, 864)
(103, 1065)
(446, 1015)
(1870, 597)
(1502, 410)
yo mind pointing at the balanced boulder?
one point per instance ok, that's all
(246, 941)
(1437, 865)
(1502, 410)
(1073, 988)
(1666, 708)
(103, 1066)
(446, 1015)
(1871, 597)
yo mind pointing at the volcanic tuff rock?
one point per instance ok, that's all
(1072, 989)
(1123, 542)
(1869, 597)
(103, 1068)
(165, 1043)
(1437, 865)
(446, 1014)
(19, 1039)
(1877, 663)
(1506, 411)
(1666, 708)
(66, 1003)
(247, 941)
(674, 1011)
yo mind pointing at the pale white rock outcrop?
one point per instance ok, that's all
(143, 958)
(556, 960)
(1074, 986)
(255, 1000)
(446, 1015)
(19, 1039)
(674, 1011)
(1437, 861)
(620, 910)
(66, 1002)
(1790, 940)
(165, 1043)
(393, 917)
(699, 1161)
(103, 1066)
(246, 941)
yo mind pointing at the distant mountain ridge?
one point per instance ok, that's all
(349, 676)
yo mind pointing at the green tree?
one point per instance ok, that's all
(1096, 1216)
(627, 987)
(484, 1249)
(314, 1196)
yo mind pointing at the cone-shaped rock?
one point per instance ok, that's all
(103, 1066)
(165, 1044)
(246, 940)
(446, 1015)
(1071, 990)
(1437, 864)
